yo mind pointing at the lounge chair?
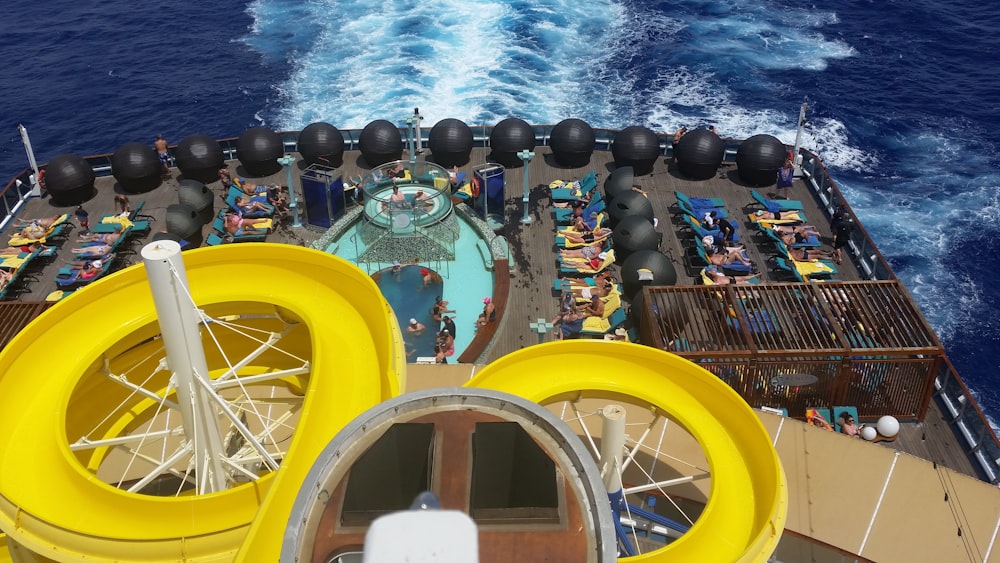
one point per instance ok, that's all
(568, 191)
(737, 267)
(701, 202)
(599, 326)
(775, 205)
(67, 277)
(819, 417)
(16, 265)
(117, 223)
(563, 215)
(811, 242)
(234, 193)
(249, 235)
(114, 246)
(563, 243)
(699, 212)
(54, 231)
(853, 411)
(584, 267)
(707, 280)
(702, 232)
(804, 272)
(789, 218)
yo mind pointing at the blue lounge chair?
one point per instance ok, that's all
(738, 267)
(137, 227)
(702, 232)
(586, 185)
(236, 192)
(699, 212)
(67, 277)
(775, 205)
(252, 235)
(701, 202)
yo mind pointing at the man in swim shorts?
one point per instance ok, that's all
(161, 151)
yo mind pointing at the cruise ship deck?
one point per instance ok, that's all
(525, 295)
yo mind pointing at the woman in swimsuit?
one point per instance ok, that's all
(245, 206)
(587, 252)
(585, 238)
(234, 224)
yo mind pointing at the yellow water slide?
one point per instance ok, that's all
(746, 509)
(68, 374)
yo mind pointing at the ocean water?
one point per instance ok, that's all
(902, 97)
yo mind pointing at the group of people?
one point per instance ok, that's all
(572, 312)
(250, 212)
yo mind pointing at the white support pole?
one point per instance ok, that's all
(417, 118)
(179, 325)
(798, 139)
(612, 446)
(36, 188)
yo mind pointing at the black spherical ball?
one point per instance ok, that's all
(638, 147)
(629, 203)
(450, 141)
(661, 268)
(137, 167)
(259, 149)
(509, 137)
(380, 142)
(572, 142)
(619, 181)
(699, 154)
(321, 143)
(199, 157)
(69, 180)
(633, 233)
(759, 158)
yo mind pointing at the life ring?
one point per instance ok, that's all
(475, 186)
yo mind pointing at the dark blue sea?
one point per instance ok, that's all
(903, 96)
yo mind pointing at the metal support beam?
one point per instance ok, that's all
(293, 202)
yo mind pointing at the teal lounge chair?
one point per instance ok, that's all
(699, 212)
(616, 319)
(701, 202)
(738, 267)
(587, 184)
(811, 242)
(138, 227)
(853, 411)
(775, 205)
(700, 232)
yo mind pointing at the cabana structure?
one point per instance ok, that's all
(796, 346)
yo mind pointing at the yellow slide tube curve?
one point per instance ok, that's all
(746, 509)
(52, 505)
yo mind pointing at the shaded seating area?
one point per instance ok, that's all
(798, 346)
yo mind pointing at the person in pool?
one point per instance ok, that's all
(415, 327)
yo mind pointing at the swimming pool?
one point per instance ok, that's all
(466, 281)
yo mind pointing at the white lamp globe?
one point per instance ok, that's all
(869, 433)
(888, 426)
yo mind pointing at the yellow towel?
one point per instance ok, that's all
(125, 222)
(13, 262)
(812, 268)
(595, 324)
(786, 218)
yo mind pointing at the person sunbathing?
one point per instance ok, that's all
(586, 237)
(236, 225)
(718, 278)
(848, 426)
(15, 250)
(720, 255)
(90, 269)
(588, 252)
(569, 323)
(5, 277)
(93, 251)
(789, 216)
(33, 231)
(247, 206)
(276, 197)
(595, 308)
(804, 230)
(43, 222)
(809, 254)
(106, 238)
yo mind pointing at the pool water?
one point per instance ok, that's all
(466, 281)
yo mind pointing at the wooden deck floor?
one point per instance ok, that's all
(532, 253)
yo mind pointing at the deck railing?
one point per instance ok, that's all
(969, 421)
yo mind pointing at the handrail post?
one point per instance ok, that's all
(526, 157)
